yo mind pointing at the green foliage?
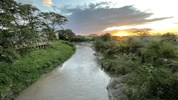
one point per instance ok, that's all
(16, 76)
(102, 42)
(13, 32)
(113, 47)
(150, 65)
(66, 34)
(169, 37)
(100, 46)
(129, 45)
(106, 37)
(141, 33)
(8, 55)
(152, 84)
(21, 25)
(156, 50)
(79, 38)
(24, 51)
(120, 64)
(50, 22)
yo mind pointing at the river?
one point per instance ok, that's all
(79, 78)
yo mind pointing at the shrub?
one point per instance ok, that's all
(121, 64)
(156, 50)
(152, 84)
(129, 45)
(8, 55)
(169, 37)
(106, 37)
(100, 46)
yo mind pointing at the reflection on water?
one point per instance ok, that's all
(80, 78)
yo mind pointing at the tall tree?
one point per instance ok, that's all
(51, 22)
(26, 22)
(18, 26)
(7, 10)
(7, 34)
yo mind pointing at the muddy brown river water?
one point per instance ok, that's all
(79, 78)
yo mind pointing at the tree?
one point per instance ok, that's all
(7, 34)
(19, 19)
(51, 22)
(7, 10)
(66, 34)
(26, 27)
(142, 33)
(18, 27)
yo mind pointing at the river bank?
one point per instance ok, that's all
(145, 69)
(23, 72)
(79, 78)
(115, 87)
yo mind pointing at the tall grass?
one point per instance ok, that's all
(16, 76)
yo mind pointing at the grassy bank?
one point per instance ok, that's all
(23, 72)
(151, 65)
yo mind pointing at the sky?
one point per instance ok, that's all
(101, 16)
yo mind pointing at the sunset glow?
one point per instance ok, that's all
(113, 16)
(120, 34)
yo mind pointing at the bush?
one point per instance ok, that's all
(81, 39)
(156, 50)
(100, 46)
(8, 55)
(114, 47)
(24, 51)
(152, 84)
(169, 37)
(129, 45)
(121, 64)
(106, 37)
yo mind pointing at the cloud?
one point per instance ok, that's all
(99, 5)
(25, 1)
(97, 17)
(48, 2)
(139, 26)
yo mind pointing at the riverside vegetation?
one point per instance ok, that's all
(149, 65)
(22, 28)
(16, 76)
